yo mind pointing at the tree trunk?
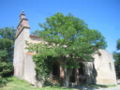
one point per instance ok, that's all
(77, 77)
(68, 73)
(62, 75)
(61, 72)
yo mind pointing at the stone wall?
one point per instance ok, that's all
(103, 62)
(19, 55)
(24, 67)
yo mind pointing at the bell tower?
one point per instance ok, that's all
(23, 24)
(22, 35)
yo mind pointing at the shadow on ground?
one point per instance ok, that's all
(90, 87)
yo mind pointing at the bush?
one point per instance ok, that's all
(6, 70)
(7, 36)
(3, 81)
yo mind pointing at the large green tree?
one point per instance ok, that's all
(6, 52)
(7, 36)
(67, 40)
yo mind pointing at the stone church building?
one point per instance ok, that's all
(24, 67)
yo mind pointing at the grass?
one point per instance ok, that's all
(16, 84)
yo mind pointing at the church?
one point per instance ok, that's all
(24, 66)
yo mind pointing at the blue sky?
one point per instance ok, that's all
(102, 15)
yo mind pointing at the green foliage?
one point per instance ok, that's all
(117, 63)
(118, 44)
(42, 69)
(6, 53)
(117, 53)
(7, 36)
(2, 81)
(6, 49)
(7, 33)
(6, 69)
(117, 59)
(67, 39)
(42, 61)
(74, 33)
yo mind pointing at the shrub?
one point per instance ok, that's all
(6, 70)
